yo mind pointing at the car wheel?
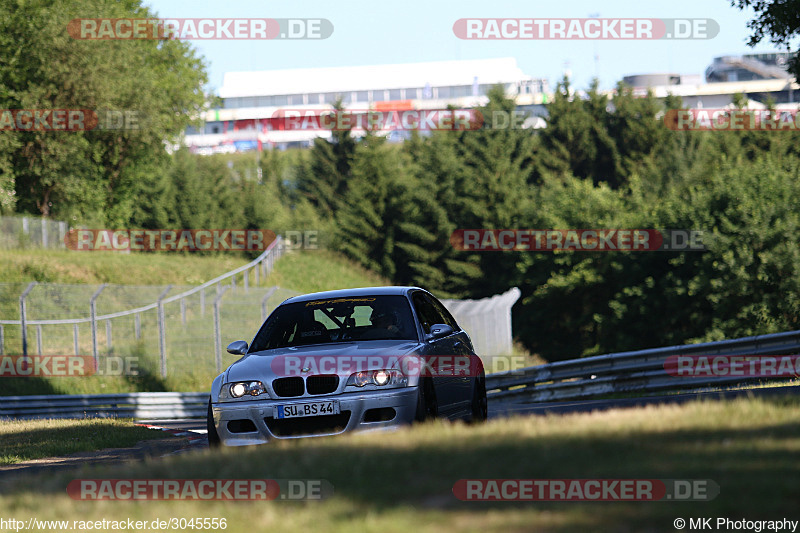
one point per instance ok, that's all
(427, 407)
(213, 436)
(480, 404)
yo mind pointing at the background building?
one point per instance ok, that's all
(252, 100)
(254, 103)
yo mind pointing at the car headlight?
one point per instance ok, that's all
(242, 388)
(381, 377)
(360, 379)
(377, 379)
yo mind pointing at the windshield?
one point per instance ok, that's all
(337, 320)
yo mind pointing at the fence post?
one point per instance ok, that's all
(202, 302)
(183, 311)
(75, 338)
(1, 340)
(256, 272)
(44, 234)
(93, 311)
(266, 297)
(108, 335)
(39, 339)
(23, 316)
(162, 332)
(217, 333)
(233, 282)
(62, 232)
(246, 281)
(137, 326)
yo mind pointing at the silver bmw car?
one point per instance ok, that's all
(346, 360)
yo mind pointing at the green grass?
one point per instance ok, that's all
(402, 481)
(23, 440)
(191, 361)
(321, 270)
(68, 266)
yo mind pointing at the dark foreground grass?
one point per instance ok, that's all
(23, 440)
(402, 481)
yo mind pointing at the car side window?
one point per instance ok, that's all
(442, 311)
(425, 311)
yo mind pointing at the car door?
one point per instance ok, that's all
(439, 350)
(461, 383)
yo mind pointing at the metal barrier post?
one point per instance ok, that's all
(75, 338)
(39, 339)
(217, 333)
(108, 335)
(93, 311)
(23, 316)
(162, 331)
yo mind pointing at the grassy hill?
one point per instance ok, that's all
(303, 272)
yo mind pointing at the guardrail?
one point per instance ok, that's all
(637, 371)
(138, 405)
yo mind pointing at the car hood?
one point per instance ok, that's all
(341, 358)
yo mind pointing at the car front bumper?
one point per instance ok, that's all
(352, 408)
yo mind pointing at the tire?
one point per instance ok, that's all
(427, 407)
(213, 436)
(480, 403)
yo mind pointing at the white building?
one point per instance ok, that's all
(253, 100)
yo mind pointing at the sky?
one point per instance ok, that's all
(408, 31)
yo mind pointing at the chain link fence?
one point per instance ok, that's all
(31, 232)
(166, 329)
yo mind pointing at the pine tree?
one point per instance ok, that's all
(324, 177)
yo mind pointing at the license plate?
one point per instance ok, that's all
(296, 410)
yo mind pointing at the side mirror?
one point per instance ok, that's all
(237, 348)
(439, 331)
